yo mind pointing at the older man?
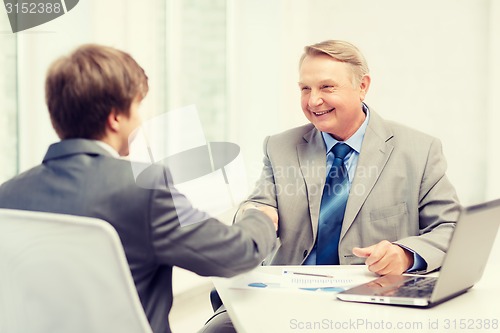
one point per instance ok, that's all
(396, 210)
(351, 187)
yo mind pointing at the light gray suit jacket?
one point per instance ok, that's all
(399, 193)
(78, 177)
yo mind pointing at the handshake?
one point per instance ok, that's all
(271, 212)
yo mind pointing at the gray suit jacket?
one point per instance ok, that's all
(399, 193)
(80, 178)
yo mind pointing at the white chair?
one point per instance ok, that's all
(65, 274)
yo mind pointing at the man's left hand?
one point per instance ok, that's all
(385, 258)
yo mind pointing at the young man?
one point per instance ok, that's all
(93, 96)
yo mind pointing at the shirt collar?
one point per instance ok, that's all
(355, 140)
(108, 148)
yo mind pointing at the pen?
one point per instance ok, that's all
(308, 274)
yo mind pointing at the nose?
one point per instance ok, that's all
(315, 99)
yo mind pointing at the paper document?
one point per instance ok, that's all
(297, 279)
(305, 279)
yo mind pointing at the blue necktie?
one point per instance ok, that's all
(333, 203)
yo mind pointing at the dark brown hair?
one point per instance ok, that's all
(83, 88)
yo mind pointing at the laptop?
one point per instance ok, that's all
(463, 266)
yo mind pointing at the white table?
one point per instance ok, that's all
(277, 310)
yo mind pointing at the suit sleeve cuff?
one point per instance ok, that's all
(419, 264)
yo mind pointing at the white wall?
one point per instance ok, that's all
(493, 119)
(433, 66)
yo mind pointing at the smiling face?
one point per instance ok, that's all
(329, 98)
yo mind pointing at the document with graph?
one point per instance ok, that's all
(298, 278)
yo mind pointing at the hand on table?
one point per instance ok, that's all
(385, 258)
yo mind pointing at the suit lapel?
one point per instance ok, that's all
(312, 162)
(375, 152)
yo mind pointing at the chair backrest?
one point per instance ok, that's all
(62, 273)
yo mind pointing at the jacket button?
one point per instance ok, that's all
(305, 253)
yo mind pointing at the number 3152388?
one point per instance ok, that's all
(33, 8)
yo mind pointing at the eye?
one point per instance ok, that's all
(305, 89)
(327, 87)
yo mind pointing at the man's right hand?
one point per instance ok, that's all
(385, 258)
(271, 212)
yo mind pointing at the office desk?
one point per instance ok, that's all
(277, 310)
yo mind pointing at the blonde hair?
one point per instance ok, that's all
(341, 51)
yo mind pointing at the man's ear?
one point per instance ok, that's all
(113, 121)
(364, 85)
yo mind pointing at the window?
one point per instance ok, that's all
(196, 58)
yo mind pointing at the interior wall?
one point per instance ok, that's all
(493, 119)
